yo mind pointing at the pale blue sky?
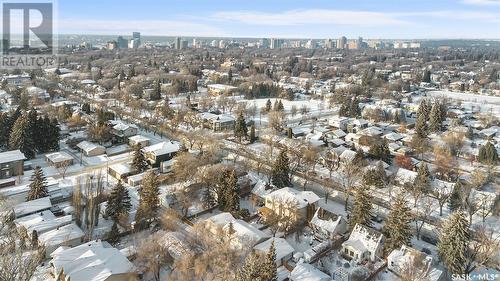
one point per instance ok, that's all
(284, 18)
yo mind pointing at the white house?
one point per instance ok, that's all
(303, 202)
(404, 176)
(92, 261)
(140, 140)
(42, 222)
(404, 258)
(32, 206)
(90, 149)
(327, 224)
(69, 235)
(246, 234)
(307, 272)
(364, 243)
(284, 251)
(59, 159)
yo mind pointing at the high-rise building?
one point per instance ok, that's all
(137, 37)
(184, 44)
(276, 43)
(264, 43)
(177, 43)
(329, 44)
(121, 42)
(342, 43)
(133, 43)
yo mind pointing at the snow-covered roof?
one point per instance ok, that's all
(329, 223)
(405, 176)
(92, 261)
(287, 194)
(364, 239)
(42, 222)
(348, 155)
(307, 272)
(393, 136)
(246, 233)
(57, 157)
(283, 248)
(162, 148)
(61, 234)
(32, 206)
(9, 156)
(401, 258)
(88, 146)
(121, 168)
(138, 138)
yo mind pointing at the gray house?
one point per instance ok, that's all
(11, 163)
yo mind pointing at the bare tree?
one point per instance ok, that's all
(349, 175)
(152, 255)
(483, 249)
(423, 213)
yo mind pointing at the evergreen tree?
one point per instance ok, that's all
(397, 228)
(240, 128)
(34, 239)
(156, 93)
(114, 234)
(488, 154)
(423, 109)
(118, 202)
(280, 174)
(455, 202)
(453, 242)
(139, 162)
(269, 271)
(375, 177)
(361, 211)
(252, 134)
(149, 201)
(38, 185)
(54, 135)
(230, 193)
(280, 106)
(21, 138)
(380, 150)
(435, 123)
(251, 269)
(421, 126)
(426, 77)
(422, 181)
(268, 105)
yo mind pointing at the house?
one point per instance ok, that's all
(11, 164)
(393, 137)
(369, 136)
(216, 122)
(307, 272)
(140, 140)
(59, 159)
(357, 125)
(284, 251)
(327, 224)
(120, 170)
(401, 259)
(42, 222)
(347, 156)
(90, 149)
(245, 233)
(288, 201)
(92, 261)
(339, 122)
(121, 131)
(163, 151)
(218, 89)
(69, 235)
(33, 206)
(18, 80)
(364, 243)
(404, 176)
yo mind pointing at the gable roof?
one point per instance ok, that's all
(301, 198)
(364, 238)
(162, 148)
(9, 156)
(93, 261)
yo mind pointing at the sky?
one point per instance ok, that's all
(377, 19)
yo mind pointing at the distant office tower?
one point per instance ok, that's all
(360, 42)
(133, 43)
(276, 43)
(329, 44)
(310, 44)
(342, 43)
(177, 43)
(184, 44)
(137, 37)
(196, 43)
(121, 42)
(222, 44)
(264, 43)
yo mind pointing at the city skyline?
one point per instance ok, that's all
(450, 19)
